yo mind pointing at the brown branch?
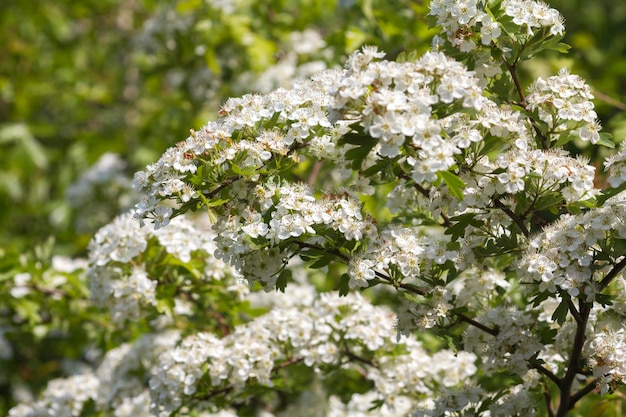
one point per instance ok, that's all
(574, 311)
(468, 320)
(587, 389)
(229, 181)
(226, 183)
(214, 393)
(408, 287)
(609, 100)
(425, 193)
(287, 363)
(546, 372)
(548, 399)
(335, 252)
(227, 389)
(566, 402)
(315, 172)
(518, 86)
(512, 70)
(358, 358)
(513, 216)
(612, 274)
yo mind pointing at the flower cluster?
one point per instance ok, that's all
(250, 238)
(117, 386)
(121, 372)
(452, 192)
(564, 103)
(569, 256)
(516, 401)
(253, 130)
(615, 165)
(533, 15)
(119, 254)
(466, 22)
(318, 335)
(396, 103)
(513, 345)
(474, 289)
(538, 171)
(402, 250)
(607, 352)
(62, 397)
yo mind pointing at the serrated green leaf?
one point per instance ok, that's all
(563, 139)
(561, 47)
(357, 155)
(461, 222)
(322, 262)
(166, 306)
(216, 202)
(244, 172)
(548, 201)
(344, 287)
(454, 183)
(610, 192)
(283, 278)
(606, 139)
(560, 314)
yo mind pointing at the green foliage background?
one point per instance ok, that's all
(78, 79)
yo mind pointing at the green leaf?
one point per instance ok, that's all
(283, 278)
(606, 139)
(29, 310)
(244, 172)
(216, 202)
(454, 183)
(561, 47)
(610, 192)
(604, 299)
(357, 155)
(563, 139)
(601, 409)
(21, 134)
(356, 138)
(548, 201)
(560, 314)
(451, 345)
(344, 288)
(323, 261)
(461, 222)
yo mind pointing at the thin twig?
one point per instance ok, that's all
(612, 274)
(573, 367)
(590, 387)
(358, 358)
(512, 70)
(226, 183)
(425, 193)
(513, 216)
(548, 398)
(486, 329)
(574, 311)
(315, 172)
(609, 100)
(287, 363)
(518, 86)
(546, 372)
